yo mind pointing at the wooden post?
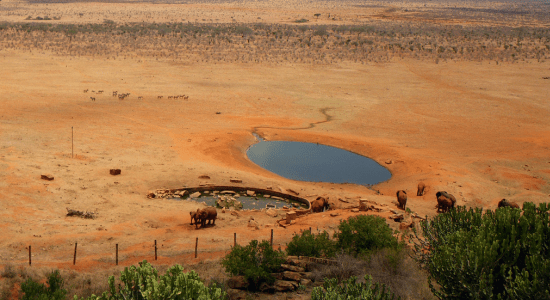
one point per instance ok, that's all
(116, 255)
(155, 249)
(29, 255)
(234, 239)
(196, 245)
(271, 238)
(72, 142)
(309, 229)
(74, 259)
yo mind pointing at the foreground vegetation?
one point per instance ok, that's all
(275, 43)
(466, 254)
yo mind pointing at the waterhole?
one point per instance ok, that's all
(316, 162)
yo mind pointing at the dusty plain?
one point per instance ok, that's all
(477, 129)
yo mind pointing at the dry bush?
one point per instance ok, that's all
(396, 269)
(345, 267)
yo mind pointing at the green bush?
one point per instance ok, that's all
(308, 244)
(350, 289)
(360, 235)
(493, 255)
(33, 290)
(255, 262)
(143, 282)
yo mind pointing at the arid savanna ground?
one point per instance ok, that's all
(455, 94)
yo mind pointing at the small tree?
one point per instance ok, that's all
(308, 244)
(360, 235)
(38, 291)
(255, 262)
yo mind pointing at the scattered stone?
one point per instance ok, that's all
(47, 177)
(334, 214)
(267, 196)
(294, 276)
(397, 217)
(281, 189)
(234, 213)
(236, 180)
(114, 171)
(305, 282)
(290, 216)
(204, 177)
(223, 210)
(284, 286)
(228, 192)
(405, 225)
(250, 193)
(151, 195)
(253, 223)
(271, 212)
(355, 210)
(278, 198)
(389, 162)
(195, 195)
(292, 268)
(343, 200)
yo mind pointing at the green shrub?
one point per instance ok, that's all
(308, 244)
(496, 255)
(255, 262)
(143, 282)
(38, 291)
(360, 235)
(350, 289)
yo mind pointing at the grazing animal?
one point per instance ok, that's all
(140, 98)
(506, 203)
(421, 187)
(207, 214)
(445, 201)
(194, 216)
(86, 90)
(319, 204)
(159, 97)
(402, 198)
(93, 99)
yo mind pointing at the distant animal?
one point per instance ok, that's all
(319, 204)
(421, 187)
(159, 97)
(402, 198)
(506, 203)
(93, 98)
(445, 201)
(207, 214)
(86, 90)
(140, 98)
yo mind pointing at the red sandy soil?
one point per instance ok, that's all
(477, 130)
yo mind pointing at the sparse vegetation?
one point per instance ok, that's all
(350, 289)
(360, 235)
(309, 244)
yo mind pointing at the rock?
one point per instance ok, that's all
(290, 216)
(234, 213)
(334, 214)
(397, 217)
(265, 288)
(355, 210)
(250, 193)
(195, 195)
(236, 180)
(284, 286)
(237, 282)
(47, 177)
(281, 189)
(114, 171)
(204, 177)
(267, 196)
(223, 210)
(228, 192)
(235, 294)
(151, 195)
(294, 276)
(271, 212)
(307, 275)
(292, 268)
(389, 162)
(405, 225)
(305, 281)
(252, 223)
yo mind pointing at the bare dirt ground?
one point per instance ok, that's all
(478, 130)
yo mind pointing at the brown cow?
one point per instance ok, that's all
(402, 198)
(506, 203)
(445, 201)
(421, 187)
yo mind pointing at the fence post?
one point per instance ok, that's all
(74, 258)
(234, 239)
(271, 238)
(155, 249)
(116, 254)
(29, 255)
(196, 245)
